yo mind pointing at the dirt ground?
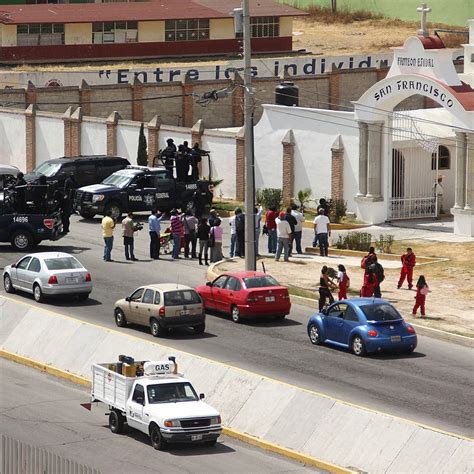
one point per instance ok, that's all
(449, 306)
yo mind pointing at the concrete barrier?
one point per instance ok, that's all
(308, 422)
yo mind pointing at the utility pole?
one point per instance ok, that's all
(242, 25)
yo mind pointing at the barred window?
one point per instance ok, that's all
(444, 159)
(186, 30)
(265, 26)
(40, 34)
(115, 32)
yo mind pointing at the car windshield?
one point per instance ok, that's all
(62, 263)
(380, 312)
(260, 282)
(118, 179)
(171, 393)
(181, 297)
(47, 169)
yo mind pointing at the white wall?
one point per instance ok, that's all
(178, 134)
(93, 137)
(12, 147)
(127, 140)
(314, 132)
(49, 137)
(223, 152)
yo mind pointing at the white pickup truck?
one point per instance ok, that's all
(153, 398)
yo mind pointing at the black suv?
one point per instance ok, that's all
(86, 169)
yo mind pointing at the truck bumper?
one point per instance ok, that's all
(195, 436)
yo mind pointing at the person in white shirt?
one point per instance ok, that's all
(438, 192)
(322, 229)
(283, 237)
(297, 234)
(233, 235)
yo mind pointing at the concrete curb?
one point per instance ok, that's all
(246, 438)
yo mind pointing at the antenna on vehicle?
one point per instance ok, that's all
(263, 266)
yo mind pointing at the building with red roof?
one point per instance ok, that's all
(165, 28)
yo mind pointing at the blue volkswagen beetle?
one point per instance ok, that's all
(364, 325)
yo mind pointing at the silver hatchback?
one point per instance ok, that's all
(48, 274)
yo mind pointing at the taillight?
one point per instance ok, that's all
(88, 277)
(285, 296)
(162, 311)
(372, 333)
(53, 280)
(48, 223)
(410, 329)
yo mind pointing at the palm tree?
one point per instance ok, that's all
(303, 197)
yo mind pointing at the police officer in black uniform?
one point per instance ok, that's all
(169, 155)
(196, 158)
(19, 187)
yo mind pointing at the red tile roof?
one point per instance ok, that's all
(137, 11)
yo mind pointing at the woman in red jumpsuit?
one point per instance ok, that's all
(370, 282)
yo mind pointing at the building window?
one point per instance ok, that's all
(186, 30)
(40, 34)
(115, 32)
(265, 26)
(444, 159)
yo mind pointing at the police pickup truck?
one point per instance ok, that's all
(139, 188)
(25, 224)
(152, 397)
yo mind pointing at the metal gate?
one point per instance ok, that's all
(413, 171)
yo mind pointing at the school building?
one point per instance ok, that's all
(165, 28)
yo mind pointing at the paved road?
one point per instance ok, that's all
(433, 386)
(44, 411)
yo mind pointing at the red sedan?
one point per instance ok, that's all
(246, 295)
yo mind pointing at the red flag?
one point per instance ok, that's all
(87, 406)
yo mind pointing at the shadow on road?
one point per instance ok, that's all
(174, 333)
(268, 321)
(72, 249)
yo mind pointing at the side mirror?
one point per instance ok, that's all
(201, 396)
(209, 283)
(13, 265)
(324, 311)
(132, 186)
(128, 298)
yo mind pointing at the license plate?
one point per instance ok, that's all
(71, 280)
(269, 299)
(184, 312)
(396, 338)
(196, 437)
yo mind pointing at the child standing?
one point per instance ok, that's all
(343, 280)
(422, 290)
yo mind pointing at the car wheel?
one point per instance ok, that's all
(120, 319)
(7, 284)
(200, 328)
(87, 215)
(235, 313)
(114, 209)
(314, 334)
(212, 442)
(156, 329)
(156, 439)
(280, 316)
(83, 296)
(116, 422)
(358, 346)
(409, 351)
(38, 293)
(22, 240)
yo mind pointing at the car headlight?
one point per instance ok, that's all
(172, 423)
(216, 420)
(98, 197)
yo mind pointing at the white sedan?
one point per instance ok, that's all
(48, 274)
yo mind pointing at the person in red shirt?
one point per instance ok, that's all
(408, 263)
(422, 290)
(370, 282)
(270, 223)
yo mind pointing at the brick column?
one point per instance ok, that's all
(85, 97)
(196, 132)
(188, 104)
(288, 167)
(153, 127)
(30, 93)
(337, 169)
(30, 137)
(137, 104)
(111, 122)
(67, 131)
(238, 102)
(334, 90)
(240, 165)
(76, 124)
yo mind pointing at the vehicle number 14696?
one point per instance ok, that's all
(20, 219)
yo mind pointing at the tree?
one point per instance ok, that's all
(303, 197)
(142, 154)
